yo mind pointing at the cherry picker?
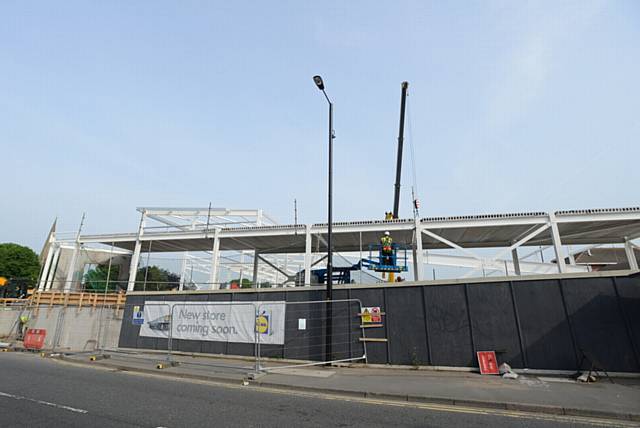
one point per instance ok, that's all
(388, 260)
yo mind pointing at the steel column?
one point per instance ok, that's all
(557, 244)
(215, 261)
(418, 255)
(74, 258)
(256, 260)
(516, 261)
(631, 255)
(135, 258)
(133, 267)
(71, 270)
(52, 269)
(183, 270)
(307, 257)
(45, 270)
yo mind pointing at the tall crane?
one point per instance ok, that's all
(403, 105)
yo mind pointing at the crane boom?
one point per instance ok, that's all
(403, 104)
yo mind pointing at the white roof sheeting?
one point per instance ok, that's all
(576, 227)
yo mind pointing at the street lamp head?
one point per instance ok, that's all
(319, 83)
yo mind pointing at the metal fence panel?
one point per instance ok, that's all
(309, 337)
(164, 326)
(10, 321)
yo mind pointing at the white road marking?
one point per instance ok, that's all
(600, 422)
(44, 403)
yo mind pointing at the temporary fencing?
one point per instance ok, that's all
(65, 327)
(107, 333)
(266, 335)
(210, 327)
(316, 332)
(10, 326)
(274, 335)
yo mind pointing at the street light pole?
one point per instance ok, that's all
(330, 209)
(329, 322)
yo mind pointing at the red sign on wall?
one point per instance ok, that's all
(487, 362)
(34, 338)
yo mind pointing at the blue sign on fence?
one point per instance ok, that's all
(138, 316)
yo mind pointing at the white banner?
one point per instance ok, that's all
(218, 322)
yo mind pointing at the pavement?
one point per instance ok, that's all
(548, 395)
(52, 392)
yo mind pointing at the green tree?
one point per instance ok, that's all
(157, 279)
(19, 262)
(96, 278)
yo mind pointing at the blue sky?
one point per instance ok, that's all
(514, 106)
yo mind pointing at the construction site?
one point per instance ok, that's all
(347, 214)
(422, 291)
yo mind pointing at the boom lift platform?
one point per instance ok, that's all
(396, 262)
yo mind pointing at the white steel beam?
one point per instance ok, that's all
(52, 270)
(606, 215)
(631, 256)
(572, 259)
(557, 245)
(418, 254)
(307, 256)
(183, 271)
(533, 253)
(273, 265)
(171, 223)
(47, 266)
(515, 261)
(108, 238)
(215, 260)
(319, 260)
(449, 243)
(256, 262)
(199, 212)
(432, 258)
(71, 270)
(241, 269)
(135, 257)
(522, 241)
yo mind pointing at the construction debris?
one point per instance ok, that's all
(506, 372)
(586, 377)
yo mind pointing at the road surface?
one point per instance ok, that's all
(36, 391)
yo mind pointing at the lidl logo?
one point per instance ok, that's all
(262, 323)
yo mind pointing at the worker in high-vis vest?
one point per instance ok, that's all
(23, 319)
(386, 249)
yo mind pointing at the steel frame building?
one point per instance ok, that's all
(253, 234)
